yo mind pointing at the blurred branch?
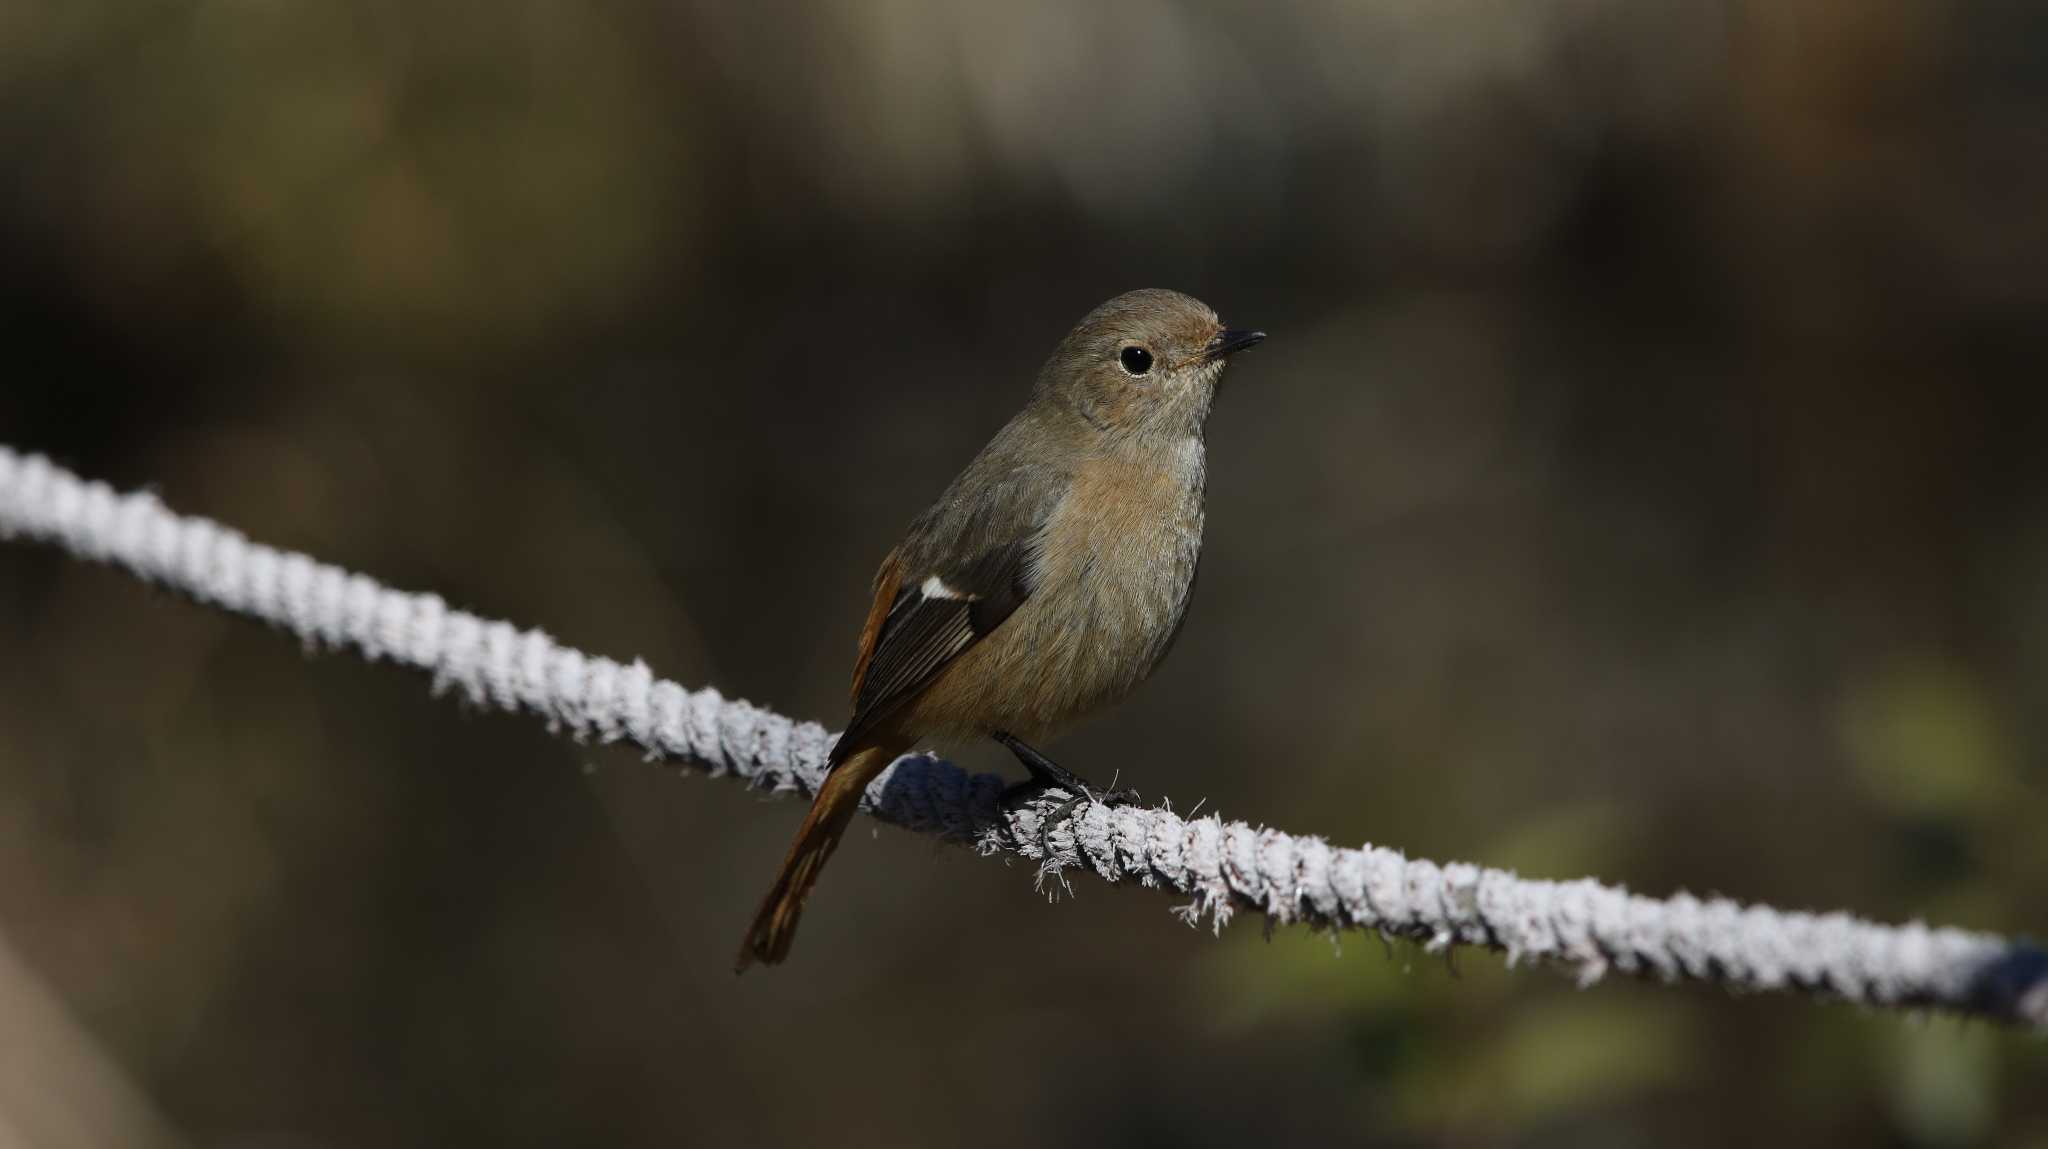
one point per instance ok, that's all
(1585, 926)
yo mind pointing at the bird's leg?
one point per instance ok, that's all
(1047, 774)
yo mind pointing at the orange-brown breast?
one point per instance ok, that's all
(1112, 586)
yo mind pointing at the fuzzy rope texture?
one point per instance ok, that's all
(1224, 867)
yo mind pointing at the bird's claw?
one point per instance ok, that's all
(1046, 776)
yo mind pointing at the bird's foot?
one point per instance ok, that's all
(1047, 774)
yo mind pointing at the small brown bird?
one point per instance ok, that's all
(1048, 580)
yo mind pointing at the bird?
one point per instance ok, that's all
(1048, 580)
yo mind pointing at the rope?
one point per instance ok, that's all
(1223, 867)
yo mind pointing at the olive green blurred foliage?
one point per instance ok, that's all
(1644, 478)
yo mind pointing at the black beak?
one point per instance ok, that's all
(1231, 342)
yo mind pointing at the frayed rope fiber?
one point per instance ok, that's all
(1223, 867)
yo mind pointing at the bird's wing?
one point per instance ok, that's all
(888, 584)
(923, 619)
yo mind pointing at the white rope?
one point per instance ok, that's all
(1223, 866)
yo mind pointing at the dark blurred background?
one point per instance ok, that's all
(1644, 479)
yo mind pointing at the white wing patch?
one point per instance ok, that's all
(935, 587)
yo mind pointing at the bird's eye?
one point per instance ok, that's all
(1136, 360)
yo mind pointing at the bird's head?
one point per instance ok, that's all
(1144, 364)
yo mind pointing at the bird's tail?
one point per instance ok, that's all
(774, 927)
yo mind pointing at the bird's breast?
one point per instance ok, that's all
(1122, 551)
(1111, 586)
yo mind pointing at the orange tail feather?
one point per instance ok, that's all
(774, 928)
